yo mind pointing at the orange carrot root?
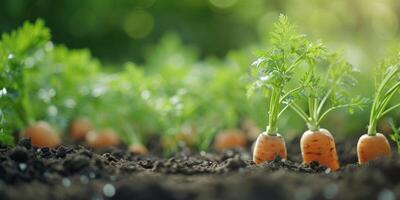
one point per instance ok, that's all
(230, 139)
(105, 138)
(319, 146)
(79, 128)
(372, 147)
(138, 149)
(42, 135)
(267, 147)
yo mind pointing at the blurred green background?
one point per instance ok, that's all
(117, 31)
(179, 64)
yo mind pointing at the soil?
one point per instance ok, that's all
(75, 172)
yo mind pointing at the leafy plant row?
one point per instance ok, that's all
(174, 95)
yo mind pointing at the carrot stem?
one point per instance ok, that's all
(382, 99)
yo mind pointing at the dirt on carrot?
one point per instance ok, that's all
(372, 147)
(319, 146)
(267, 147)
(42, 135)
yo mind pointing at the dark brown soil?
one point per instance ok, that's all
(74, 172)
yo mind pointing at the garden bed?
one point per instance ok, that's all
(75, 172)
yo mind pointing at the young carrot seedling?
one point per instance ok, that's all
(323, 94)
(373, 145)
(272, 72)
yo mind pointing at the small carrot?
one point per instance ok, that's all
(78, 128)
(267, 147)
(138, 149)
(319, 146)
(105, 138)
(373, 145)
(230, 139)
(42, 135)
(320, 92)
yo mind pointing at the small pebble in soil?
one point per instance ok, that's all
(328, 170)
(66, 182)
(22, 166)
(92, 175)
(386, 194)
(109, 190)
(46, 174)
(330, 191)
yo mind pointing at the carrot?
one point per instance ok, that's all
(319, 146)
(320, 93)
(272, 73)
(267, 147)
(105, 138)
(138, 149)
(372, 147)
(78, 128)
(230, 139)
(42, 135)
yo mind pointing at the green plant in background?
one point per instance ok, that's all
(59, 83)
(17, 50)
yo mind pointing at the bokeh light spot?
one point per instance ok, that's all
(138, 24)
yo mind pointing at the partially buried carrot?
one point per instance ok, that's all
(42, 135)
(319, 146)
(138, 149)
(371, 147)
(319, 93)
(104, 138)
(374, 145)
(227, 139)
(78, 128)
(272, 74)
(267, 147)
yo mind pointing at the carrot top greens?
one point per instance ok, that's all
(324, 93)
(273, 70)
(15, 48)
(387, 84)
